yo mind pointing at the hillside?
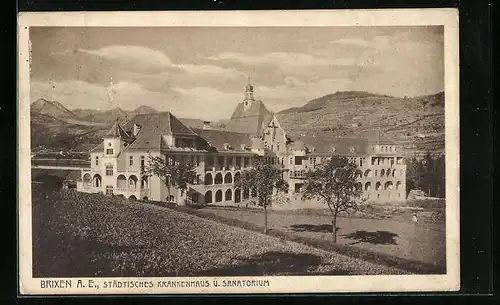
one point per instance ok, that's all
(53, 109)
(109, 116)
(53, 133)
(416, 123)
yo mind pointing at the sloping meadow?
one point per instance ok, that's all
(91, 235)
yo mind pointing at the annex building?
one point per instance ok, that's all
(220, 156)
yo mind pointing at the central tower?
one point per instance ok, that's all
(249, 98)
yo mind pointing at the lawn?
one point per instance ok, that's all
(417, 247)
(90, 235)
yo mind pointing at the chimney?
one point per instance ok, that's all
(206, 124)
(137, 128)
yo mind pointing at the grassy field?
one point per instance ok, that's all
(421, 241)
(77, 234)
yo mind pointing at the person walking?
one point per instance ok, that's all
(414, 217)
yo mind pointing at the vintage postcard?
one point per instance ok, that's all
(238, 152)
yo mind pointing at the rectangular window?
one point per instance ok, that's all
(229, 161)
(130, 160)
(142, 163)
(96, 161)
(109, 170)
(220, 161)
(197, 160)
(109, 190)
(246, 161)
(109, 151)
(210, 161)
(238, 161)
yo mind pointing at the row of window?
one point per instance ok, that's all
(221, 160)
(131, 161)
(387, 148)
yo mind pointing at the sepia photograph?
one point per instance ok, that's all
(203, 158)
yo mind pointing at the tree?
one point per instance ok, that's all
(263, 178)
(178, 174)
(334, 183)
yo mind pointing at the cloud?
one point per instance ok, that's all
(132, 54)
(283, 60)
(208, 103)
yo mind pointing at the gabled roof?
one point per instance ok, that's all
(324, 145)
(251, 120)
(116, 131)
(153, 127)
(219, 138)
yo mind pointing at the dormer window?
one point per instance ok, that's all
(109, 151)
(352, 149)
(227, 146)
(334, 149)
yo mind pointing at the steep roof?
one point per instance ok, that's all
(323, 145)
(116, 131)
(153, 126)
(218, 139)
(251, 120)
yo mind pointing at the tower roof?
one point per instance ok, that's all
(116, 131)
(249, 120)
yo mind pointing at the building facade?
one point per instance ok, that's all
(221, 156)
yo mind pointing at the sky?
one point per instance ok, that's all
(201, 72)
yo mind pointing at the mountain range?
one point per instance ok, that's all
(416, 123)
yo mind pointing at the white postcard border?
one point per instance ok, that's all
(284, 284)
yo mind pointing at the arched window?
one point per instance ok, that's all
(87, 179)
(121, 182)
(368, 186)
(97, 181)
(237, 177)
(358, 186)
(144, 182)
(246, 193)
(208, 179)
(237, 195)
(359, 174)
(218, 178)
(398, 185)
(208, 197)
(228, 178)
(389, 172)
(378, 186)
(368, 173)
(382, 172)
(218, 196)
(132, 182)
(229, 195)
(388, 185)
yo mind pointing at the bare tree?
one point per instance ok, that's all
(264, 179)
(334, 183)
